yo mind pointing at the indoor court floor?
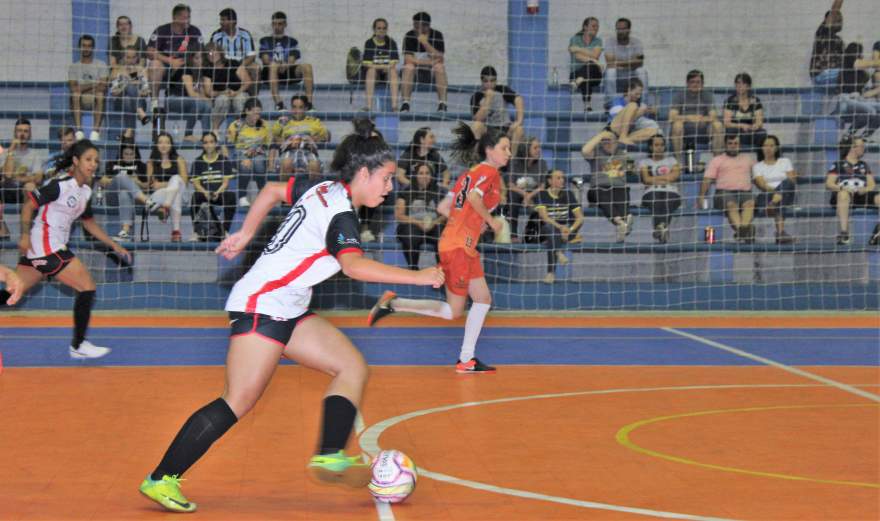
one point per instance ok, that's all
(622, 417)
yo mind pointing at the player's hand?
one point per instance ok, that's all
(432, 277)
(14, 286)
(497, 224)
(232, 245)
(24, 244)
(122, 252)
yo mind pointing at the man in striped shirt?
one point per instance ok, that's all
(238, 44)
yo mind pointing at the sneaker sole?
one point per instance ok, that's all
(77, 356)
(175, 508)
(354, 476)
(386, 297)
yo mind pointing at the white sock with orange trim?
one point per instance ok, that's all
(472, 327)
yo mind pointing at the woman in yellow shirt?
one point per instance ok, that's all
(252, 139)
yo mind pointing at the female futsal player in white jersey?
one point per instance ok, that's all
(43, 243)
(270, 316)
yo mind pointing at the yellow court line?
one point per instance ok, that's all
(623, 437)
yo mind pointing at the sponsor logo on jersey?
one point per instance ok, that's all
(71, 201)
(342, 240)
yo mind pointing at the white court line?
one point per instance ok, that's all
(383, 509)
(369, 441)
(794, 370)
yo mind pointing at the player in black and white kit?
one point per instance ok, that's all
(270, 317)
(43, 244)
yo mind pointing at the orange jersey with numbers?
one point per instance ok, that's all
(465, 225)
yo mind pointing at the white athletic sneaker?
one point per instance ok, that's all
(88, 350)
(243, 202)
(94, 136)
(79, 135)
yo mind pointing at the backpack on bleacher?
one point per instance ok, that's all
(206, 224)
(353, 65)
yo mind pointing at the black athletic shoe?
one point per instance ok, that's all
(875, 236)
(441, 107)
(404, 107)
(473, 366)
(382, 308)
(843, 238)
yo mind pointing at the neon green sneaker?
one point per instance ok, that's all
(166, 492)
(338, 468)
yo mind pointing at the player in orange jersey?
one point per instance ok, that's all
(475, 195)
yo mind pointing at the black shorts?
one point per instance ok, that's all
(865, 200)
(278, 330)
(424, 75)
(50, 265)
(287, 77)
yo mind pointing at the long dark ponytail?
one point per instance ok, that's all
(467, 148)
(365, 147)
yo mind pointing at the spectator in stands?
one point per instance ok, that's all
(167, 178)
(129, 87)
(858, 105)
(561, 219)
(694, 118)
(424, 60)
(852, 185)
(744, 114)
(122, 40)
(624, 60)
(659, 173)
(421, 150)
(379, 63)
(280, 55)
(585, 48)
(211, 173)
(189, 97)
(628, 116)
(608, 190)
(238, 45)
(297, 137)
(525, 180)
(489, 108)
(22, 169)
(775, 176)
(225, 84)
(66, 138)
(252, 139)
(418, 222)
(87, 79)
(732, 174)
(119, 181)
(827, 55)
(168, 47)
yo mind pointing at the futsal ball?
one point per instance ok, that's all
(852, 184)
(394, 476)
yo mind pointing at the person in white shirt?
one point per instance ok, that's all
(270, 316)
(776, 178)
(43, 243)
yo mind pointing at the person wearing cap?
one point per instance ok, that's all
(238, 44)
(423, 60)
(489, 108)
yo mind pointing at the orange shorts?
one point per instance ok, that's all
(459, 268)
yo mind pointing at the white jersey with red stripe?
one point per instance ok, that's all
(59, 203)
(320, 227)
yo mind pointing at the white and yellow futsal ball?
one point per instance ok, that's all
(394, 476)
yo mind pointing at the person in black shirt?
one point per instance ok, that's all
(421, 150)
(861, 114)
(281, 57)
(210, 175)
(561, 219)
(120, 181)
(423, 60)
(168, 47)
(744, 114)
(225, 84)
(187, 96)
(827, 55)
(851, 183)
(380, 62)
(418, 222)
(489, 108)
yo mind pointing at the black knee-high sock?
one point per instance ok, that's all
(4, 296)
(196, 436)
(82, 312)
(338, 421)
